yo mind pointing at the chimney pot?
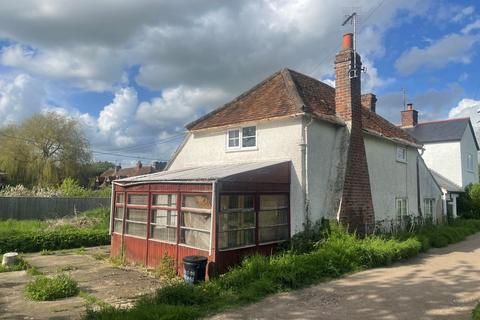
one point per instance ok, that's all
(347, 41)
(409, 106)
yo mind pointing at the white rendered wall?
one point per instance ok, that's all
(324, 152)
(445, 158)
(429, 189)
(468, 146)
(390, 178)
(276, 140)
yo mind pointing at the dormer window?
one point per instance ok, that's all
(242, 138)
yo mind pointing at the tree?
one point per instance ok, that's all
(43, 150)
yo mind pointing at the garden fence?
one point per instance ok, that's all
(46, 208)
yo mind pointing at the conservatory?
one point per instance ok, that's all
(222, 212)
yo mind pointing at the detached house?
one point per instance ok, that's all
(255, 171)
(450, 150)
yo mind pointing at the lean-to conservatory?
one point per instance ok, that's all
(222, 212)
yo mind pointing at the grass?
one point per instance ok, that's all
(87, 229)
(476, 313)
(336, 254)
(92, 300)
(20, 264)
(44, 288)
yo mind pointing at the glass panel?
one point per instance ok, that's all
(233, 138)
(164, 233)
(269, 234)
(117, 226)
(120, 198)
(136, 229)
(139, 199)
(248, 132)
(237, 220)
(164, 217)
(137, 214)
(165, 200)
(272, 217)
(273, 201)
(197, 201)
(197, 239)
(248, 142)
(196, 220)
(239, 238)
(119, 212)
(236, 201)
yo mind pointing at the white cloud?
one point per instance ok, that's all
(452, 48)
(464, 12)
(466, 108)
(20, 97)
(471, 27)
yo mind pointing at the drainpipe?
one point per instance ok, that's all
(306, 188)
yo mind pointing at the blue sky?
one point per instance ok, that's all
(135, 72)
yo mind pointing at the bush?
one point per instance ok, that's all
(469, 202)
(20, 264)
(44, 288)
(476, 313)
(166, 268)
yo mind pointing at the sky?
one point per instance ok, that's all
(135, 72)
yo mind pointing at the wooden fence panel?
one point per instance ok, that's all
(23, 208)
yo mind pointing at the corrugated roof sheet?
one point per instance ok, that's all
(439, 131)
(445, 183)
(203, 173)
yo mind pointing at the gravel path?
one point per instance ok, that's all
(443, 284)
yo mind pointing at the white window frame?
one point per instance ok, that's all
(470, 163)
(401, 159)
(240, 146)
(429, 203)
(401, 214)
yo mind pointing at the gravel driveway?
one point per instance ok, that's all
(443, 284)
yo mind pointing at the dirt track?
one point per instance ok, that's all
(443, 284)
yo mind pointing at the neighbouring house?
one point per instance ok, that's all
(450, 150)
(286, 153)
(106, 178)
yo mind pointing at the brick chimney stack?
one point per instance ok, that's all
(356, 207)
(409, 117)
(369, 101)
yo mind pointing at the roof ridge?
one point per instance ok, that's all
(310, 77)
(444, 120)
(292, 88)
(237, 98)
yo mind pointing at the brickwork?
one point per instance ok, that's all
(357, 207)
(369, 101)
(409, 117)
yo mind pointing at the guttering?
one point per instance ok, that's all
(136, 183)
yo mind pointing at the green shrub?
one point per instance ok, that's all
(166, 268)
(20, 264)
(476, 313)
(44, 288)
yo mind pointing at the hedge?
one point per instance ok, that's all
(56, 239)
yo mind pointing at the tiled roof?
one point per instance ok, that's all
(287, 93)
(441, 131)
(445, 183)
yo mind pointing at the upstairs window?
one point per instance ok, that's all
(243, 138)
(401, 154)
(469, 162)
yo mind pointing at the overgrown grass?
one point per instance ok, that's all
(88, 229)
(44, 288)
(336, 254)
(476, 313)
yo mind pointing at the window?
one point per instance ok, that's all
(401, 206)
(428, 206)
(244, 138)
(118, 212)
(195, 221)
(163, 224)
(136, 218)
(273, 218)
(469, 162)
(236, 221)
(401, 154)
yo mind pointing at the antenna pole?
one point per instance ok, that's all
(404, 99)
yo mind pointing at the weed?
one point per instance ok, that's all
(33, 271)
(91, 299)
(44, 288)
(476, 313)
(20, 264)
(80, 251)
(166, 268)
(46, 252)
(66, 268)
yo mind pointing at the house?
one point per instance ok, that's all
(450, 150)
(106, 178)
(282, 155)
